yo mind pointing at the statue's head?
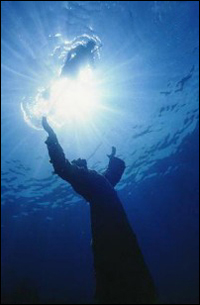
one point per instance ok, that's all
(80, 163)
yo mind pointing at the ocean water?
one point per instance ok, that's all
(147, 72)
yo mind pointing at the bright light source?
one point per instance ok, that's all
(70, 101)
(73, 100)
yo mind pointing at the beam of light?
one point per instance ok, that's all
(17, 73)
(67, 101)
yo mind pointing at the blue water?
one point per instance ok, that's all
(149, 75)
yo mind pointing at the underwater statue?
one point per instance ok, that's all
(122, 276)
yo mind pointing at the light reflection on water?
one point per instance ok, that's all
(149, 78)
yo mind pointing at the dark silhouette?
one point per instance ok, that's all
(122, 276)
(78, 57)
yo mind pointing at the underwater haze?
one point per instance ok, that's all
(146, 82)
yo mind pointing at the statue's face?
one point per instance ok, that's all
(80, 163)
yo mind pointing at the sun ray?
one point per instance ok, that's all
(17, 73)
(16, 147)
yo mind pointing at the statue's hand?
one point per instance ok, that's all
(113, 153)
(46, 126)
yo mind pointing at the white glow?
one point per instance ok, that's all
(74, 100)
(66, 101)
